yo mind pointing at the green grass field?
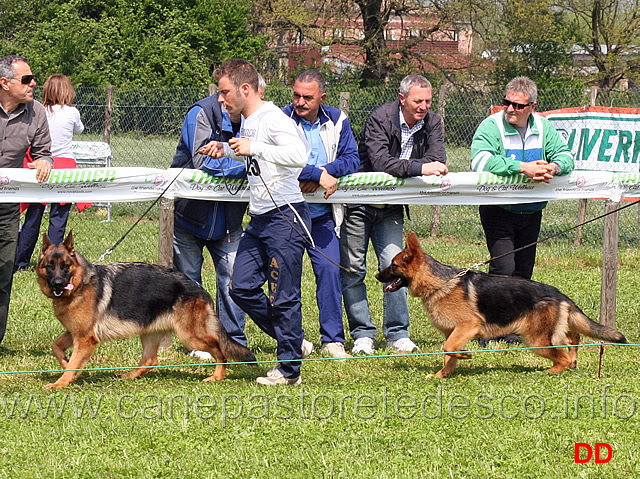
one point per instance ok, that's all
(498, 416)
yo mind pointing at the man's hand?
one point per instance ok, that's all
(214, 149)
(308, 186)
(434, 168)
(328, 182)
(538, 170)
(241, 146)
(42, 167)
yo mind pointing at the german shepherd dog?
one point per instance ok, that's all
(473, 304)
(97, 303)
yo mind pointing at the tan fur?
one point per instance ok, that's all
(88, 322)
(453, 308)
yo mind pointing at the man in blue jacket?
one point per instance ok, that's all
(334, 153)
(216, 225)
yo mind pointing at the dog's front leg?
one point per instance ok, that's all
(60, 346)
(459, 337)
(82, 349)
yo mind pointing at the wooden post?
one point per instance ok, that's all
(609, 266)
(212, 89)
(165, 233)
(435, 217)
(165, 249)
(582, 204)
(344, 104)
(582, 214)
(108, 111)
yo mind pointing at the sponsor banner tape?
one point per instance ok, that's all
(125, 184)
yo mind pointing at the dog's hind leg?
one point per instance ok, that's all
(60, 346)
(459, 337)
(199, 329)
(150, 345)
(213, 347)
(83, 348)
(561, 360)
(205, 342)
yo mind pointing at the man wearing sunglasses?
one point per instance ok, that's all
(23, 125)
(517, 140)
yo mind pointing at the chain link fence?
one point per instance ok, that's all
(142, 127)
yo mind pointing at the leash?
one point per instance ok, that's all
(482, 263)
(117, 243)
(308, 240)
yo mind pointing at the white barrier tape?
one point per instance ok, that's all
(85, 185)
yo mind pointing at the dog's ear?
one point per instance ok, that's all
(46, 242)
(68, 242)
(413, 244)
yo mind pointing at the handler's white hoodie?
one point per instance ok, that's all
(278, 154)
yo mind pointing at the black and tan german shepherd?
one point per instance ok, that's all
(97, 303)
(473, 304)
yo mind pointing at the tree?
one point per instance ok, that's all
(135, 42)
(533, 40)
(609, 31)
(363, 24)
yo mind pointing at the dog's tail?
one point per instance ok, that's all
(233, 350)
(581, 323)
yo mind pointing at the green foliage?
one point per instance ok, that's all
(536, 42)
(136, 42)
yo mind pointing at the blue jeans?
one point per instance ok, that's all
(58, 216)
(384, 227)
(188, 259)
(271, 251)
(328, 290)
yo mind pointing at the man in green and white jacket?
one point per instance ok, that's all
(517, 140)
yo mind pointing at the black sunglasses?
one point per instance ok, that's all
(516, 106)
(26, 79)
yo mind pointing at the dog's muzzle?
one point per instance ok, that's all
(59, 287)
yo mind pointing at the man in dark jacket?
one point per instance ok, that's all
(216, 225)
(402, 138)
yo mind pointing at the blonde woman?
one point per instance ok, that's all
(64, 121)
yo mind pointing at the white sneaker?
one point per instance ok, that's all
(307, 349)
(273, 372)
(275, 378)
(362, 346)
(402, 345)
(200, 354)
(335, 350)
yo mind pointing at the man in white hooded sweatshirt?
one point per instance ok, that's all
(273, 243)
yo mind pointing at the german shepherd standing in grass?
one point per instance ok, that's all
(97, 303)
(473, 304)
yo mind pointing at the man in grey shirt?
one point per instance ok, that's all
(23, 124)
